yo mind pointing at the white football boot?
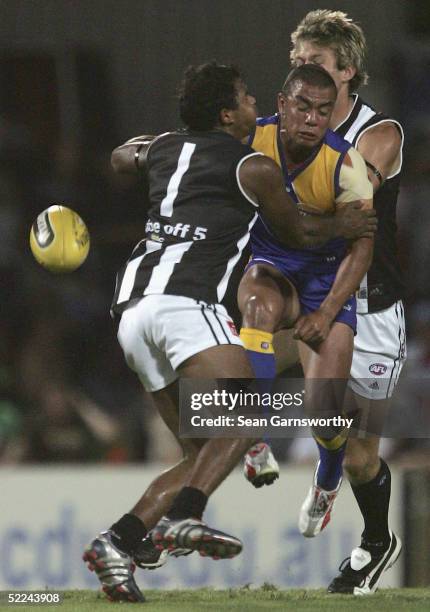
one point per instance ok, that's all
(361, 573)
(315, 513)
(261, 467)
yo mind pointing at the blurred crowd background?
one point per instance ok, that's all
(79, 77)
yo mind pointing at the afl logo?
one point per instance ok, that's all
(378, 369)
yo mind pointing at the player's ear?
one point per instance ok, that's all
(281, 103)
(226, 116)
(348, 73)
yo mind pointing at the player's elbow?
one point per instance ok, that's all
(115, 160)
(121, 161)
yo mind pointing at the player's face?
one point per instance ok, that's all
(305, 114)
(245, 114)
(307, 52)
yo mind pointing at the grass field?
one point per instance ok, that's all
(246, 600)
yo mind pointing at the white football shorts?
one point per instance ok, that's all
(379, 352)
(159, 332)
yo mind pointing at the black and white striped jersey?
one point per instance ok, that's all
(382, 286)
(199, 221)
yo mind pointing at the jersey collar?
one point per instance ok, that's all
(344, 125)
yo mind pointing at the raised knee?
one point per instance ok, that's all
(259, 313)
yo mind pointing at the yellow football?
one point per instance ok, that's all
(59, 239)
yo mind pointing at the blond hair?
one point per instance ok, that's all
(336, 30)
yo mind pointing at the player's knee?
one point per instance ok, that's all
(259, 313)
(360, 464)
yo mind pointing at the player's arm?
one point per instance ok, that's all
(261, 179)
(130, 157)
(355, 186)
(381, 148)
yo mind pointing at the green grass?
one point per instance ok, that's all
(267, 597)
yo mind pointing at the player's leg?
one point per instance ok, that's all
(180, 327)
(286, 350)
(361, 462)
(327, 368)
(129, 532)
(158, 497)
(194, 340)
(182, 524)
(368, 399)
(368, 474)
(111, 553)
(126, 541)
(267, 301)
(370, 481)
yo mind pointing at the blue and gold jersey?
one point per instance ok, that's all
(314, 182)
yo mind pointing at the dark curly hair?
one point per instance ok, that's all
(204, 92)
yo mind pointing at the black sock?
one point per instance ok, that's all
(128, 532)
(374, 499)
(188, 503)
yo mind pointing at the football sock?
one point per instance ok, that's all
(259, 348)
(373, 499)
(128, 532)
(331, 453)
(189, 502)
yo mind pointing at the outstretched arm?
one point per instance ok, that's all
(261, 179)
(130, 157)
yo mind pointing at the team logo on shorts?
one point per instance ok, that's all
(374, 386)
(232, 328)
(378, 369)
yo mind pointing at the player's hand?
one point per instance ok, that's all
(313, 328)
(353, 222)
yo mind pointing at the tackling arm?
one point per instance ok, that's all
(262, 181)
